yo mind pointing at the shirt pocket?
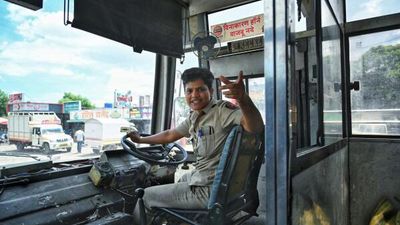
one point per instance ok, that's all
(206, 141)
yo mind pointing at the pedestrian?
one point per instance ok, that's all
(80, 139)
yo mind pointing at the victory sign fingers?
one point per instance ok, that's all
(235, 89)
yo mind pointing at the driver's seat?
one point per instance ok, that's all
(233, 195)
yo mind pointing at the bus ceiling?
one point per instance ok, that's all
(30, 4)
(195, 6)
(150, 25)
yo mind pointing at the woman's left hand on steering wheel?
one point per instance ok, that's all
(134, 136)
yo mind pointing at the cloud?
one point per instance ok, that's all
(61, 57)
(372, 8)
(366, 9)
(139, 83)
(19, 14)
(47, 42)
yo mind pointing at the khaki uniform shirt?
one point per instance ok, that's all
(208, 131)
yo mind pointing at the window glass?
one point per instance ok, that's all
(232, 79)
(255, 89)
(311, 94)
(236, 13)
(337, 6)
(375, 63)
(304, 99)
(257, 94)
(361, 9)
(300, 19)
(181, 110)
(331, 65)
(327, 18)
(301, 15)
(45, 64)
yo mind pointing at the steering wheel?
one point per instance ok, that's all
(158, 154)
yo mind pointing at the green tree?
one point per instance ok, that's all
(3, 103)
(379, 73)
(68, 96)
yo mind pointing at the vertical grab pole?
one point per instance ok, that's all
(276, 104)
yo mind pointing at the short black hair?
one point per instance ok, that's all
(197, 73)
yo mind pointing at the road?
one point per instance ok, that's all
(14, 156)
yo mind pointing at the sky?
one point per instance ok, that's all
(42, 58)
(356, 10)
(361, 9)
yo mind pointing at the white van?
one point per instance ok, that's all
(104, 133)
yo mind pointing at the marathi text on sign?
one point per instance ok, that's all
(238, 29)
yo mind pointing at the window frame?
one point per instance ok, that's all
(306, 156)
(359, 28)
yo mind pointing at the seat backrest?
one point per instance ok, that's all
(235, 184)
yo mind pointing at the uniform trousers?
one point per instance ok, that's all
(177, 195)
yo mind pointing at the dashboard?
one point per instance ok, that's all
(94, 191)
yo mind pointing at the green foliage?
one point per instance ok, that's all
(68, 96)
(3, 103)
(379, 73)
(383, 59)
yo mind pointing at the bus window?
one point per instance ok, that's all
(255, 87)
(332, 75)
(316, 100)
(47, 67)
(257, 93)
(220, 95)
(375, 62)
(360, 9)
(180, 109)
(304, 98)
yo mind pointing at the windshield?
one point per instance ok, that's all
(52, 131)
(49, 69)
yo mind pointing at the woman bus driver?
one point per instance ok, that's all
(208, 126)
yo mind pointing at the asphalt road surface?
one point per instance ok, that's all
(9, 154)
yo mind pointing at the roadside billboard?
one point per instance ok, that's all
(29, 106)
(72, 106)
(35, 107)
(15, 98)
(83, 115)
(122, 100)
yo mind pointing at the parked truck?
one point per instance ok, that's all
(105, 133)
(38, 129)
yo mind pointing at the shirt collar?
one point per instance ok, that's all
(209, 106)
(206, 109)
